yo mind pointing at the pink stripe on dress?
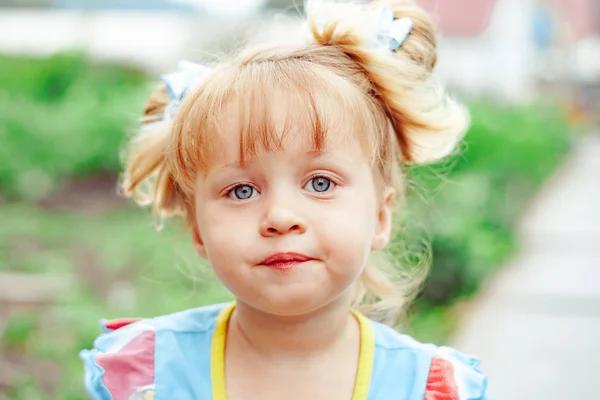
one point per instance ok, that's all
(130, 368)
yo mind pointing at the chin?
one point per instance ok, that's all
(286, 304)
(293, 303)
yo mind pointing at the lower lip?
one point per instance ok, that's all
(284, 266)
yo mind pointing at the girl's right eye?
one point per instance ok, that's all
(242, 192)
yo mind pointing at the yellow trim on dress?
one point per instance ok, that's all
(365, 358)
(217, 354)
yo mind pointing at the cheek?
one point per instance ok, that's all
(348, 232)
(226, 234)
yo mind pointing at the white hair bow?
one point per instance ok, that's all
(179, 83)
(392, 32)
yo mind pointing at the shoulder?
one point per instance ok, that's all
(444, 373)
(121, 364)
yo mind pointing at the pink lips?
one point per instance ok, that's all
(285, 261)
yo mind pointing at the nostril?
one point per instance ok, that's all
(282, 229)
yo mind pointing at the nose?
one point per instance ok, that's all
(281, 221)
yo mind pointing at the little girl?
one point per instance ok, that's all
(284, 163)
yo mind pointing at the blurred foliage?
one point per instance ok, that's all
(65, 117)
(62, 117)
(470, 204)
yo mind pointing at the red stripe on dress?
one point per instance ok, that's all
(115, 324)
(129, 369)
(441, 384)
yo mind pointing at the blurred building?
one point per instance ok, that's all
(506, 47)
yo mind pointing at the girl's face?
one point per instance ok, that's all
(289, 231)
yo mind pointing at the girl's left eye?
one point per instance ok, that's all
(319, 184)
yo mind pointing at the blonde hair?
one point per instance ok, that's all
(340, 80)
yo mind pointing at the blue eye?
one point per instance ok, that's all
(319, 184)
(242, 192)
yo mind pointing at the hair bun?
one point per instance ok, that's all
(426, 121)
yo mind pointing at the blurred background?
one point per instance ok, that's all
(513, 221)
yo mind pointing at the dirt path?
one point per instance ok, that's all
(536, 327)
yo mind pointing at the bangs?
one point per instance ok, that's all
(259, 105)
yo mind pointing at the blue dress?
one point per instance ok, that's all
(181, 357)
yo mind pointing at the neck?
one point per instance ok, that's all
(313, 333)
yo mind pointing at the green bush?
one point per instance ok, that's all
(62, 117)
(65, 117)
(469, 206)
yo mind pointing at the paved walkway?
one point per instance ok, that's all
(536, 327)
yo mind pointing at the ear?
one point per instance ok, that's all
(197, 242)
(383, 227)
